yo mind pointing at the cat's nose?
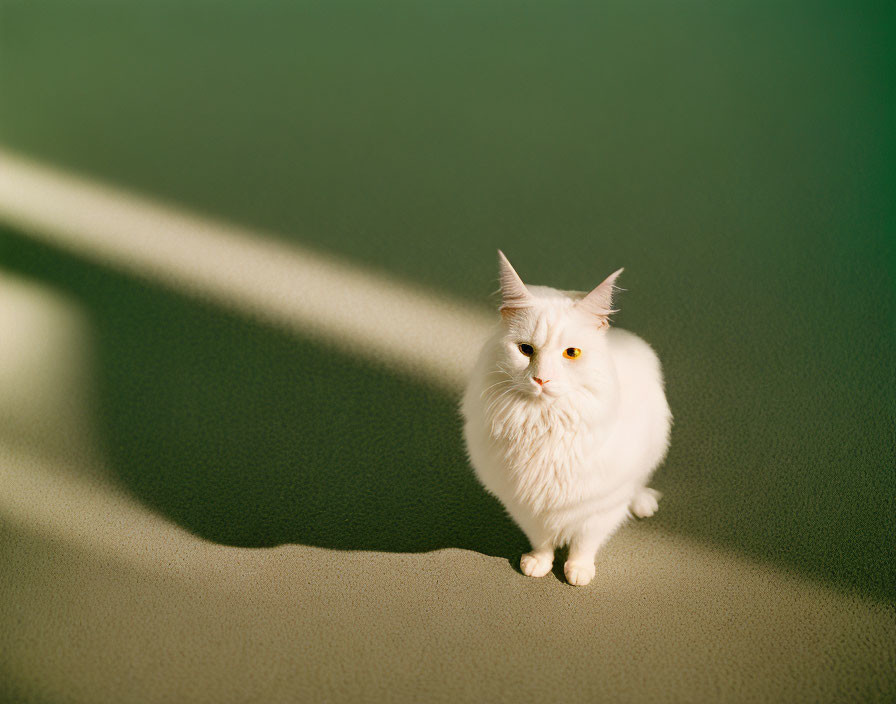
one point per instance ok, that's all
(540, 382)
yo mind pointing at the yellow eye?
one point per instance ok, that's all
(572, 352)
(526, 349)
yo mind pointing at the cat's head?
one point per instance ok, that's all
(552, 342)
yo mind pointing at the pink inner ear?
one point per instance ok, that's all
(600, 301)
(514, 293)
(507, 313)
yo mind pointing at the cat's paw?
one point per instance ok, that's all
(645, 503)
(535, 565)
(579, 573)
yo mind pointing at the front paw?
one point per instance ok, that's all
(579, 573)
(535, 565)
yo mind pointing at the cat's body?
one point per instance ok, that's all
(567, 436)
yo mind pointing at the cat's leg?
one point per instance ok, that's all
(538, 561)
(583, 547)
(645, 502)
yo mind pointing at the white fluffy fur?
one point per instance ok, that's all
(569, 459)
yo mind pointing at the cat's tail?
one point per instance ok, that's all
(645, 502)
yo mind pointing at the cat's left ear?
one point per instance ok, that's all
(600, 301)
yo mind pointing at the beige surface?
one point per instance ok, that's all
(665, 621)
(211, 490)
(103, 600)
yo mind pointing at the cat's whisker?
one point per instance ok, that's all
(493, 403)
(506, 400)
(499, 383)
(505, 397)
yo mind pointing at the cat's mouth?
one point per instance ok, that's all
(545, 392)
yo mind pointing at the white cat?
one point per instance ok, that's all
(565, 421)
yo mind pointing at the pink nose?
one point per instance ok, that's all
(539, 381)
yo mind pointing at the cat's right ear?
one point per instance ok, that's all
(514, 294)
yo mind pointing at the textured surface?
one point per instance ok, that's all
(196, 504)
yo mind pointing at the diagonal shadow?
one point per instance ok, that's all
(249, 436)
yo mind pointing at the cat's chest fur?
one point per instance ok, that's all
(548, 452)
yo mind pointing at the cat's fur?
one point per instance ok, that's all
(569, 458)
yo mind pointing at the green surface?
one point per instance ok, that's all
(576, 135)
(737, 158)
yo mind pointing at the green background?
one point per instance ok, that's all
(737, 158)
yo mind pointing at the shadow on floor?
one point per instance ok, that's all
(249, 436)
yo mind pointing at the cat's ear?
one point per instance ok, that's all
(600, 301)
(514, 293)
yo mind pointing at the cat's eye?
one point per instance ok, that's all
(572, 352)
(526, 349)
